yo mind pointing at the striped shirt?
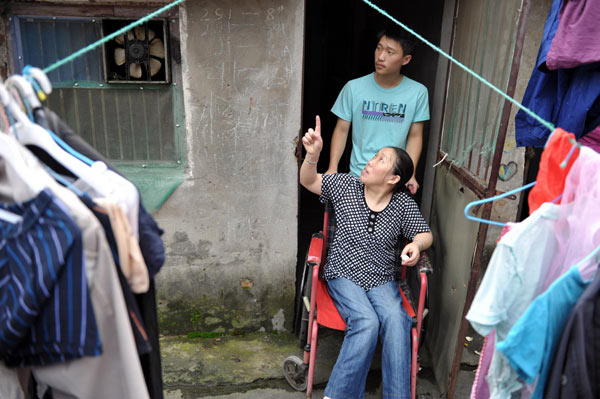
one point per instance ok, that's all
(45, 311)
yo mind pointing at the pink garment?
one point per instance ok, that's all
(480, 388)
(592, 139)
(577, 229)
(576, 40)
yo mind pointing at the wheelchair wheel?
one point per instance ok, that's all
(295, 372)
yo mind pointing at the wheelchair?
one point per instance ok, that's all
(317, 308)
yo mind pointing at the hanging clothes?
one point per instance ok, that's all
(551, 176)
(10, 386)
(153, 252)
(47, 313)
(577, 24)
(576, 229)
(531, 343)
(505, 291)
(568, 98)
(92, 377)
(121, 190)
(575, 371)
(130, 257)
(150, 233)
(480, 389)
(135, 318)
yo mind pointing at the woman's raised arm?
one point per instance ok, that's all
(313, 144)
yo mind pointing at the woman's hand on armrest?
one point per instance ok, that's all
(412, 250)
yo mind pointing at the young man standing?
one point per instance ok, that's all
(385, 108)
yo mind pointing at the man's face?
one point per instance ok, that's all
(389, 57)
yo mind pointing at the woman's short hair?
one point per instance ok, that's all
(403, 167)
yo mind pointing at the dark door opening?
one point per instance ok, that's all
(340, 39)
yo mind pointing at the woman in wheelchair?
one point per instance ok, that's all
(372, 212)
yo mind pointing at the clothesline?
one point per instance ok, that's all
(105, 39)
(142, 20)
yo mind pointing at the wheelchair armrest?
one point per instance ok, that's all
(424, 264)
(315, 250)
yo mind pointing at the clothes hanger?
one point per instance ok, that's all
(485, 200)
(39, 80)
(27, 91)
(5, 215)
(64, 182)
(29, 133)
(563, 165)
(10, 153)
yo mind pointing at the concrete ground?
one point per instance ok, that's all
(250, 366)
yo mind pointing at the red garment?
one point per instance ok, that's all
(551, 177)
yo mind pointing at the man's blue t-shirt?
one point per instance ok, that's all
(380, 117)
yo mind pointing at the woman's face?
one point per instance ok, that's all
(380, 169)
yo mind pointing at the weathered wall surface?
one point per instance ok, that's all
(231, 226)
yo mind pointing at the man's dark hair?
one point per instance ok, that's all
(406, 40)
(404, 168)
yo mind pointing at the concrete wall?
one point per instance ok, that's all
(231, 227)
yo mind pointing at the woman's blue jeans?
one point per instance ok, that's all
(369, 315)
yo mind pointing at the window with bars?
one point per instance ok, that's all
(137, 123)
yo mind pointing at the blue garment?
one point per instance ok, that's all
(151, 244)
(568, 98)
(369, 315)
(531, 343)
(380, 117)
(46, 315)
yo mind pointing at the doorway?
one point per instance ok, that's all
(340, 39)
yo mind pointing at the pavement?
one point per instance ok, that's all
(251, 366)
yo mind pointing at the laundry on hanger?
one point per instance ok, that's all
(553, 171)
(562, 252)
(150, 244)
(577, 227)
(531, 343)
(575, 362)
(569, 98)
(576, 40)
(29, 133)
(506, 289)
